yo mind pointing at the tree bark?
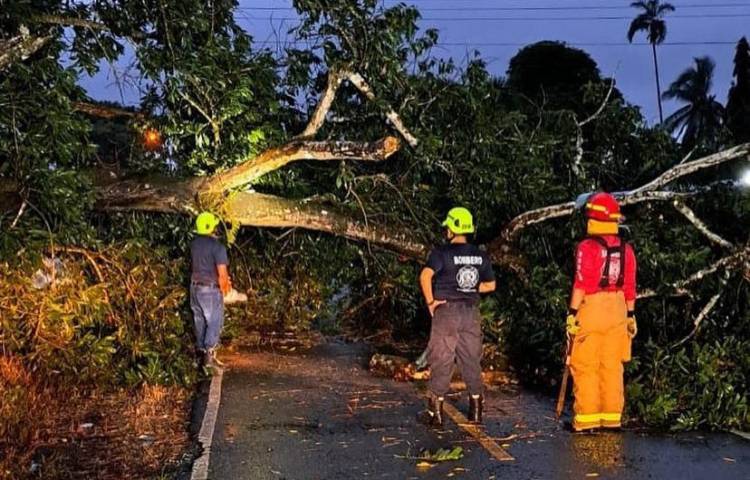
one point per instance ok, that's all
(275, 158)
(20, 48)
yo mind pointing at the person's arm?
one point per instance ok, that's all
(221, 259)
(425, 283)
(576, 298)
(586, 279)
(487, 282)
(630, 289)
(225, 282)
(487, 287)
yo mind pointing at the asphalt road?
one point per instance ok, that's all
(319, 414)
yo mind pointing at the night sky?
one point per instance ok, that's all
(498, 28)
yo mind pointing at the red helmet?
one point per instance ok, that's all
(603, 207)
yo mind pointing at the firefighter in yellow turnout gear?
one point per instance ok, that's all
(601, 320)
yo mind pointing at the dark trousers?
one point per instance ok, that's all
(455, 337)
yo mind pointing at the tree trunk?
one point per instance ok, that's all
(658, 83)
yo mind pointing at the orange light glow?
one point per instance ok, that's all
(152, 139)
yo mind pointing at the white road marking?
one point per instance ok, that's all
(206, 434)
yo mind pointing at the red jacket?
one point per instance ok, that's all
(590, 260)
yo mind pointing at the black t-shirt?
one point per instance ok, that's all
(459, 269)
(206, 253)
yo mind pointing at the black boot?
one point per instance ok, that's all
(475, 408)
(433, 416)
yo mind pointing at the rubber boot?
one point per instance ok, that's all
(433, 416)
(475, 408)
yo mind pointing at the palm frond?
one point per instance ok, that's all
(678, 118)
(639, 23)
(664, 8)
(657, 31)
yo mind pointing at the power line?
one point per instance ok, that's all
(518, 44)
(539, 19)
(514, 9)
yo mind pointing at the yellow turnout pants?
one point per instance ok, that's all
(596, 363)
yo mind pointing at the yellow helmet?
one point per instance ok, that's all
(206, 223)
(459, 221)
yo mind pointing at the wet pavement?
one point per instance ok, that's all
(319, 414)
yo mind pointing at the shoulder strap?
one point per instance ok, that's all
(604, 280)
(621, 277)
(621, 249)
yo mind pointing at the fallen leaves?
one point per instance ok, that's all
(442, 455)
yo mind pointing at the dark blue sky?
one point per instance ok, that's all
(497, 28)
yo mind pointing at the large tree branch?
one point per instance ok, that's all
(700, 225)
(514, 228)
(260, 210)
(738, 260)
(275, 158)
(105, 111)
(688, 168)
(20, 48)
(645, 193)
(254, 210)
(66, 21)
(318, 117)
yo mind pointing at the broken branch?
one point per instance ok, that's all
(20, 48)
(361, 85)
(700, 225)
(324, 105)
(261, 210)
(275, 158)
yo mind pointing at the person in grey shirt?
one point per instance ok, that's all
(209, 282)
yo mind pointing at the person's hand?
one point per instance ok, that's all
(571, 325)
(225, 287)
(632, 327)
(434, 305)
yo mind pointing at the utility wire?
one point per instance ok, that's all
(516, 44)
(539, 19)
(519, 9)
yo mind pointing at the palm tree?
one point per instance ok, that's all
(651, 20)
(701, 119)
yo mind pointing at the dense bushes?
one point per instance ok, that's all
(113, 317)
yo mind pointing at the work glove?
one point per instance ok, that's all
(571, 325)
(632, 327)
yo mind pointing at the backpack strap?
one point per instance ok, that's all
(621, 276)
(604, 280)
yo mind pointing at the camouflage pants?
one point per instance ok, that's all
(455, 337)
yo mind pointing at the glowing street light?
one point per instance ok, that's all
(745, 179)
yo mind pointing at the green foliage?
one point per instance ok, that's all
(116, 319)
(701, 385)
(547, 72)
